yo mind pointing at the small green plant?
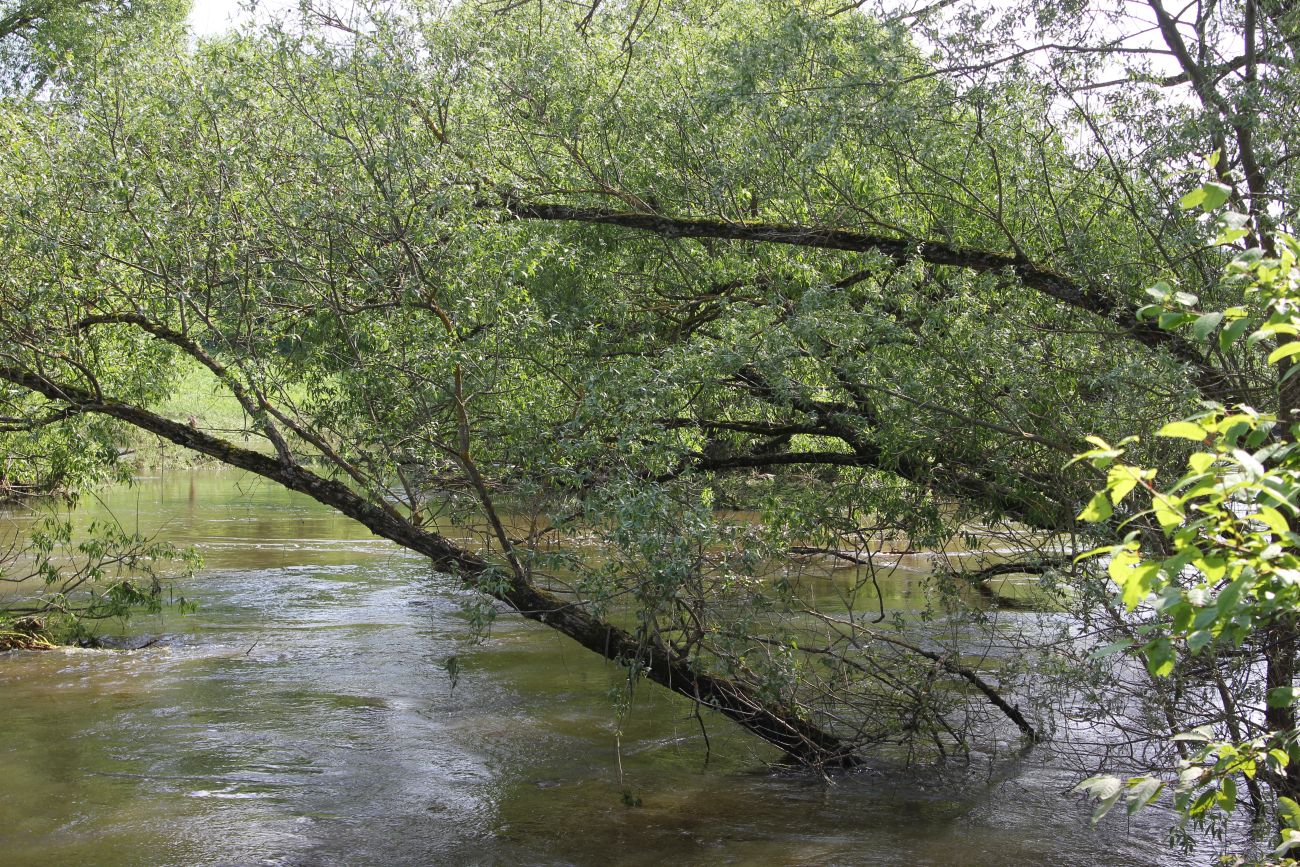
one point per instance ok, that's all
(62, 582)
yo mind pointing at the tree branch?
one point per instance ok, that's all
(783, 727)
(1060, 287)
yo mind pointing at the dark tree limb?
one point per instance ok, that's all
(978, 579)
(1069, 291)
(781, 726)
(16, 424)
(855, 633)
(254, 409)
(945, 476)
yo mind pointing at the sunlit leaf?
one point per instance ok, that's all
(1183, 430)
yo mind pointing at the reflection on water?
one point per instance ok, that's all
(304, 716)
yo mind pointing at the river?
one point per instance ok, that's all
(304, 716)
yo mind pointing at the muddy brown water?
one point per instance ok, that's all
(304, 716)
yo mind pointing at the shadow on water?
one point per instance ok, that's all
(304, 716)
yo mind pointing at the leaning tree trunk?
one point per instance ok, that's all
(779, 725)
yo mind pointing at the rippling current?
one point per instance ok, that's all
(304, 716)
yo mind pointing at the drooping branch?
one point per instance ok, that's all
(183, 342)
(783, 727)
(1036, 507)
(978, 579)
(952, 666)
(856, 634)
(1121, 313)
(18, 424)
(256, 406)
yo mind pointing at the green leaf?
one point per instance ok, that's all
(1200, 734)
(1288, 810)
(1111, 649)
(1143, 790)
(1228, 598)
(1232, 332)
(1098, 509)
(1168, 513)
(1160, 291)
(1248, 462)
(1290, 839)
(1204, 618)
(1122, 478)
(1197, 641)
(1286, 350)
(1122, 562)
(1215, 195)
(1204, 802)
(1228, 795)
(1138, 586)
(1205, 324)
(1183, 430)
(1106, 789)
(1160, 657)
(1273, 518)
(1282, 696)
(1099, 786)
(1192, 199)
(1095, 552)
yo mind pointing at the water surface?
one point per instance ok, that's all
(304, 716)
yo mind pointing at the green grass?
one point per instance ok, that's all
(200, 396)
(199, 399)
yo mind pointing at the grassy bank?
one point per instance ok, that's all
(199, 399)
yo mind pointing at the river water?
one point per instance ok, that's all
(304, 716)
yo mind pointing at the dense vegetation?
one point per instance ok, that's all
(637, 317)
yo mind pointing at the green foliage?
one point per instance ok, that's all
(1221, 566)
(64, 580)
(480, 262)
(39, 39)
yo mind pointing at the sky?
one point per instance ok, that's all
(208, 17)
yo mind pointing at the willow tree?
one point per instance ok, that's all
(501, 283)
(40, 39)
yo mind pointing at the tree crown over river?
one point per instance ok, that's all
(638, 317)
